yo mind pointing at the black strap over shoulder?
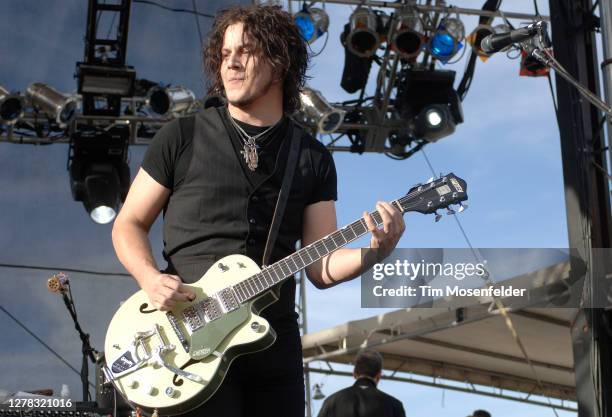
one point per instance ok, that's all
(187, 125)
(283, 195)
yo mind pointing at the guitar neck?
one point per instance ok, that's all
(261, 282)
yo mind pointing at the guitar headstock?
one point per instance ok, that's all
(435, 194)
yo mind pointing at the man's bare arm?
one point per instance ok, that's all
(346, 263)
(143, 204)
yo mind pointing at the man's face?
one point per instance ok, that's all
(245, 76)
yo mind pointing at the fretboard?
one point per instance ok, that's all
(286, 267)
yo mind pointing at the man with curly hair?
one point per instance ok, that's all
(216, 176)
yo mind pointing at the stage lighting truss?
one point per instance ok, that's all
(144, 114)
(413, 37)
(312, 22)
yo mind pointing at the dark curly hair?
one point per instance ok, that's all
(276, 39)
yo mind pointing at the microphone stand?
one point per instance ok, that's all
(546, 58)
(86, 349)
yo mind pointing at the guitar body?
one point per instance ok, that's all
(138, 333)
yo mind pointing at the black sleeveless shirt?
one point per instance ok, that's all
(218, 207)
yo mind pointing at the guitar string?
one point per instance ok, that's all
(319, 244)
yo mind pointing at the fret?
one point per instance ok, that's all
(258, 285)
(283, 268)
(276, 278)
(312, 253)
(299, 255)
(333, 245)
(266, 276)
(252, 290)
(339, 239)
(295, 266)
(347, 231)
(262, 281)
(315, 247)
(239, 292)
(306, 253)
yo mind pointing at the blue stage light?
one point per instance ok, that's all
(446, 41)
(312, 23)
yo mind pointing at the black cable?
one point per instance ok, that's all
(535, 5)
(197, 19)
(152, 3)
(24, 327)
(80, 271)
(468, 75)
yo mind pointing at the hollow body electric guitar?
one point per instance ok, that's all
(170, 362)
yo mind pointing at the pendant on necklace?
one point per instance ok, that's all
(250, 154)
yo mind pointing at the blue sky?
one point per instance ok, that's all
(507, 150)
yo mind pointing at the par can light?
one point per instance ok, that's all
(327, 117)
(446, 41)
(363, 39)
(312, 23)
(62, 108)
(476, 37)
(408, 34)
(11, 107)
(169, 100)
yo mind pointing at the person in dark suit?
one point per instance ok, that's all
(480, 413)
(363, 399)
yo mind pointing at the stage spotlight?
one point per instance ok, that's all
(408, 34)
(434, 122)
(62, 108)
(356, 69)
(169, 101)
(99, 186)
(11, 107)
(327, 117)
(102, 193)
(428, 98)
(363, 38)
(312, 23)
(99, 173)
(446, 41)
(476, 37)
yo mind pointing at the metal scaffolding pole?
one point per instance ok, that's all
(605, 8)
(303, 324)
(587, 196)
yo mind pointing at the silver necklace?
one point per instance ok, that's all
(249, 145)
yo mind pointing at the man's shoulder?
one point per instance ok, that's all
(341, 393)
(391, 398)
(310, 142)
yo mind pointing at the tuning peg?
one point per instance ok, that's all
(450, 211)
(438, 217)
(462, 207)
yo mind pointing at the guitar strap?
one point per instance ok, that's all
(283, 195)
